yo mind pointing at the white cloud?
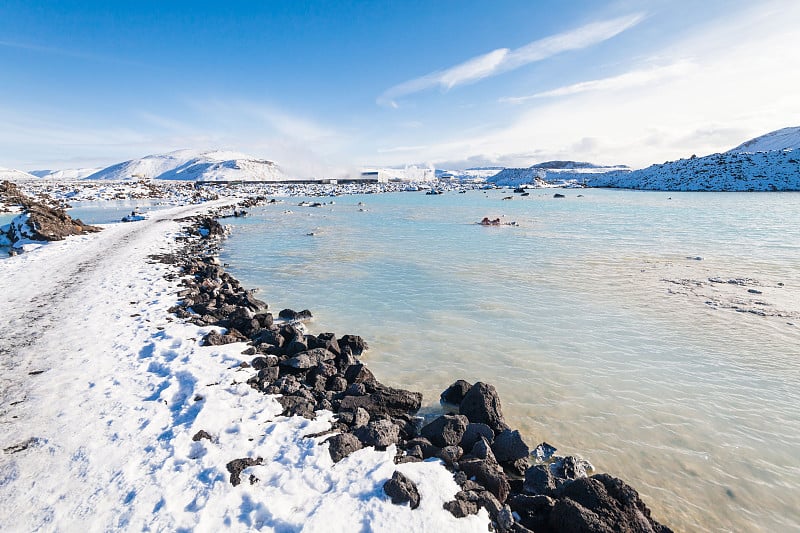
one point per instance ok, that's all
(504, 60)
(633, 78)
(728, 80)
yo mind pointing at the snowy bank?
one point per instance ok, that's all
(102, 394)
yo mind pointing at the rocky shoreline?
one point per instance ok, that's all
(522, 489)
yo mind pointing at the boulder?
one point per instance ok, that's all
(446, 430)
(296, 406)
(474, 432)
(379, 433)
(356, 344)
(215, 338)
(539, 480)
(461, 508)
(602, 503)
(309, 358)
(385, 402)
(342, 445)
(489, 475)
(481, 404)
(508, 446)
(359, 373)
(455, 392)
(402, 490)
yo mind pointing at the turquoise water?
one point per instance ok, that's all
(578, 317)
(106, 212)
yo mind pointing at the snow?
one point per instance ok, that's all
(550, 173)
(731, 171)
(12, 174)
(102, 392)
(783, 139)
(194, 165)
(65, 174)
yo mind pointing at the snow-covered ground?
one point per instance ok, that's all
(102, 392)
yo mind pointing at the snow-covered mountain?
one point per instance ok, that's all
(13, 174)
(550, 173)
(65, 174)
(783, 139)
(194, 165)
(777, 170)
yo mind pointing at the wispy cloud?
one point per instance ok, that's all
(634, 78)
(504, 60)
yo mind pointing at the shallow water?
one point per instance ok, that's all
(578, 317)
(106, 212)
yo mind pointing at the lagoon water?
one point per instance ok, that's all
(593, 317)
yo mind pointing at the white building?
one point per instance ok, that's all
(410, 173)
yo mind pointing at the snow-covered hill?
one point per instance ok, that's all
(777, 170)
(12, 174)
(783, 139)
(65, 174)
(550, 173)
(194, 165)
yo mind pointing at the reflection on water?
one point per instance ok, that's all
(577, 318)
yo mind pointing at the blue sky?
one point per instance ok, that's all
(326, 86)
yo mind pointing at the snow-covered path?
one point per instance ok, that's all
(101, 394)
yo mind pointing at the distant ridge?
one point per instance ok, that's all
(66, 174)
(783, 139)
(770, 162)
(572, 165)
(194, 165)
(14, 174)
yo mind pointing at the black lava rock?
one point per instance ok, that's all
(402, 490)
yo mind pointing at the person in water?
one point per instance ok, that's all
(487, 222)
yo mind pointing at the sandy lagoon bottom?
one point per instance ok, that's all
(656, 334)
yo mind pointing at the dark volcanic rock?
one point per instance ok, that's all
(296, 406)
(402, 490)
(534, 511)
(539, 480)
(356, 344)
(202, 434)
(446, 430)
(309, 358)
(487, 474)
(378, 433)
(40, 222)
(236, 467)
(508, 446)
(385, 402)
(602, 503)
(217, 339)
(481, 404)
(359, 373)
(342, 445)
(461, 508)
(455, 392)
(474, 432)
